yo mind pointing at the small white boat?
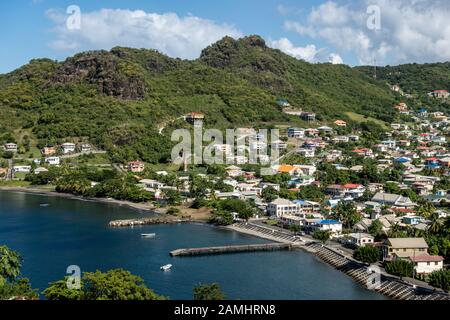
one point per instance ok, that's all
(44, 205)
(148, 235)
(167, 267)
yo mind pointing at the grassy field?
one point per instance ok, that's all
(14, 183)
(360, 118)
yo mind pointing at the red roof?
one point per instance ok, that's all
(440, 91)
(426, 258)
(351, 186)
(431, 159)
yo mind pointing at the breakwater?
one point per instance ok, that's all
(144, 222)
(230, 249)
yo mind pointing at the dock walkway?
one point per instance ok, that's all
(230, 249)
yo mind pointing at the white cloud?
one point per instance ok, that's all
(308, 53)
(175, 36)
(335, 59)
(411, 30)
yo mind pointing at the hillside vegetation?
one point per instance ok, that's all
(118, 99)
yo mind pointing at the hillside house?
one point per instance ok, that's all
(340, 123)
(68, 147)
(297, 133)
(85, 148)
(53, 161)
(307, 153)
(195, 118)
(308, 116)
(10, 147)
(48, 151)
(439, 94)
(136, 166)
(393, 200)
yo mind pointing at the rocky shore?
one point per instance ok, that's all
(145, 221)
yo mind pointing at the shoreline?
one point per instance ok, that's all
(142, 207)
(51, 193)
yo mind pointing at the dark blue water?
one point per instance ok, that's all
(73, 232)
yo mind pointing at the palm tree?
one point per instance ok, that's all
(435, 226)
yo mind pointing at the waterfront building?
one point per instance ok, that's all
(361, 239)
(398, 248)
(281, 207)
(425, 264)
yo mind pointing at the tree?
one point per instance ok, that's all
(10, 264)
(12, 287)
(295, 228)
(376, 228)
(269, 194)
(367, 254)
(347, 213)
(208, 292)
(436, 224)
(115, 284)
(401, 268)
(173, 197)
(322, 235)
(440, 279)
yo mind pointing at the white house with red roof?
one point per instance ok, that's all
(426, 264)
(440, 94)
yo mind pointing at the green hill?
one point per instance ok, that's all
(414, 78)
(118, 99)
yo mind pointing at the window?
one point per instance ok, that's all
(428, 263)
(436, 263)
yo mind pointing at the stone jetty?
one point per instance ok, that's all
(230, 249)
(143, 222)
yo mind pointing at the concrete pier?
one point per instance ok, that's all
(230, 249)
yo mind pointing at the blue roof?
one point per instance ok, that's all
(299, 201)
(329, 222)
(402, 159)
(423, 110)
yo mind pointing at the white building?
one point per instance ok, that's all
(151, 185)
(307, 153)
(54, 161)
(23, 169)
(334, 226)
(68, 147)
(281, 207)
(296, 133)
(85, 147)
(10, 147)
(426, 264)
(361, 239)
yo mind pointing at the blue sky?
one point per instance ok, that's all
(313, 30)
